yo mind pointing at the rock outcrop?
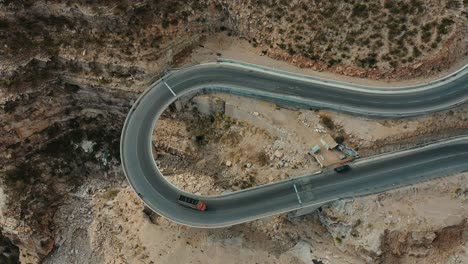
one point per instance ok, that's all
(425, 221)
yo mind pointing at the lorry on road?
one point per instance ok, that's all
(192, 203)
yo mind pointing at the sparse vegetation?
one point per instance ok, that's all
(7, 82)
(370, 61)
(327, 122)
(373, 27)
(73, 88)
(10, 106)
(110, 194)
(359, 10)
(165, 23)
(339, 139)
(378, 33)
(10, 252)
(45, 165)
(53, 130)
(338, 239)
(261, 158)
(36, 32)
(443, 26)
(4, 24)
(453, 4)
(21, 175)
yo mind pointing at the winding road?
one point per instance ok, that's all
(367, 176)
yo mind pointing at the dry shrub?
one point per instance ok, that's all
(261, 158)
(327, 122)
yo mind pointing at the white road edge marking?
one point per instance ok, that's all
(297, 194)
(168, 87)
(404, 167)
(358, 87)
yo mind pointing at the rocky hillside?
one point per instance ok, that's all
(70, 70)
(374, 39)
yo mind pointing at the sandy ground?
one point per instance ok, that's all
(116, 230)
(139, 238)
(251, 142)
(109, 225)
(296, 131)
(240, 49)
(419, 209)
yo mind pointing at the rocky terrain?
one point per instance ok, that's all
(219, 153)
(411, 225)
(69, 73)
(220, 143)
(373, 39)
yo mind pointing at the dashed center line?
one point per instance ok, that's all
(297, 194)
(380, 172)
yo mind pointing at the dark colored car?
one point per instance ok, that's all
(342, 168)
(192, 203)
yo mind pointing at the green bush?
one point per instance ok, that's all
(360, 10)
(110, 194)
(23, 173)
(453, 4)
(72, 88)
(426, 36)
(416, 52)
(7, 82)
(369, 61)
(444, 25)
(4, 24)
(165, 23)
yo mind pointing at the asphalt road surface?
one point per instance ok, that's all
(386, 172)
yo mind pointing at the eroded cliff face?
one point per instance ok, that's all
(53, 137)
(69, 73)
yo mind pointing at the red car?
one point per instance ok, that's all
(192, 203)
